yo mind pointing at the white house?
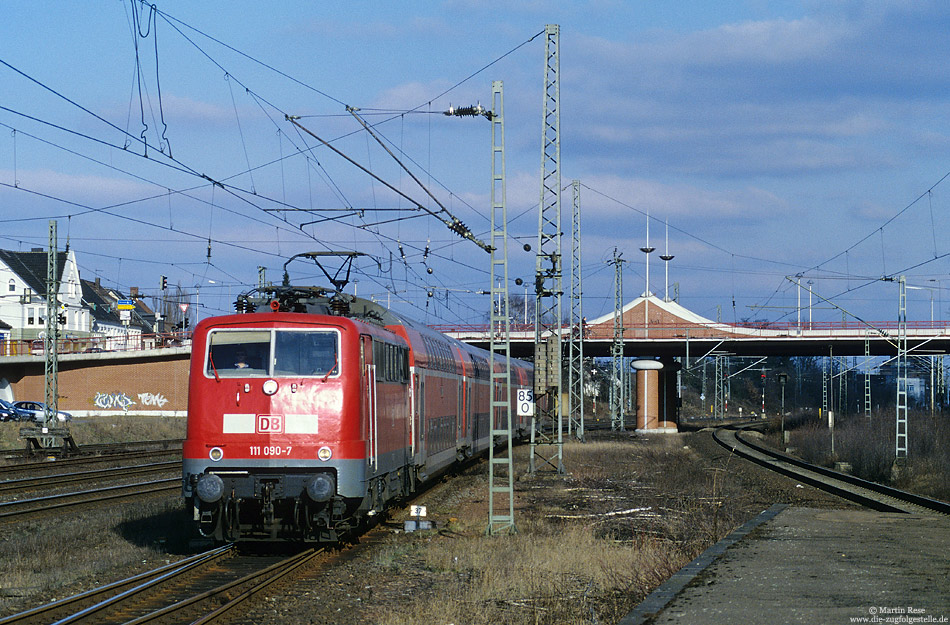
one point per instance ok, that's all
(23, 295)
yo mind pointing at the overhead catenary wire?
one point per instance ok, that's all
(185, 169)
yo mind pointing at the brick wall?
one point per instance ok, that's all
(100, 384)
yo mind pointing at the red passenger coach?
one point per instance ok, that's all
(307, 418)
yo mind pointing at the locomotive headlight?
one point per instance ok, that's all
(321, 487)
(210, 487)
(269, 387)
(324, 453)
(216, 453)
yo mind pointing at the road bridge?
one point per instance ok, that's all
(656, 332)
(654, 328)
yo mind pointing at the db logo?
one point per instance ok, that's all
(270, 424)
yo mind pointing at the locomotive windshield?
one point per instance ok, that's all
(260, 353)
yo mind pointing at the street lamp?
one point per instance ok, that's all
(810, 282)
(646, 250)
(666, 258)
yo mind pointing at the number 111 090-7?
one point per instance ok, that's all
(270, 450)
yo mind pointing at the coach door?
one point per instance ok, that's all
(369, 401)
(420, 419)
(415, 413)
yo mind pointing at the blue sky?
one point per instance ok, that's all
(776, 139)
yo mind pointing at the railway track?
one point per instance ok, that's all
(24, 484)
(200, 589)
(98, 496)
(46, 467)
(96, 451)
(870, 494)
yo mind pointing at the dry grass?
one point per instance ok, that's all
(589, 549)
(535, 576)
(50, 558)
(103, 430)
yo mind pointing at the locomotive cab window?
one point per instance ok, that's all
(238, 354)
(258, 353)
(305, 353)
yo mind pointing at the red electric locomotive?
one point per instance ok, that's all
(307, 418)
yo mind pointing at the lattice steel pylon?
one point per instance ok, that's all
(941, 383)
(722, 374)
(825, 381)
(616, 348)
(52, 333)
(900, 450)
(501, 492)
(867, 374)
(547, 439)
(575, 369)
(842, 385)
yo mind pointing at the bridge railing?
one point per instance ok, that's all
(96, 344)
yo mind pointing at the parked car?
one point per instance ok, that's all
(36, 411)
(9, 412)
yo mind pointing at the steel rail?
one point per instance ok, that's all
(86, 476)
(103, 449)
(112, 602)
(35, 467)
(866, 493)
(120, 585)
(110, 493)
(267, 576)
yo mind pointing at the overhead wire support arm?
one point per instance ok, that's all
(452, 223)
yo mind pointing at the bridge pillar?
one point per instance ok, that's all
(656, 396)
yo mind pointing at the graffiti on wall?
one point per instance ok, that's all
(151, 399)
(121, 401)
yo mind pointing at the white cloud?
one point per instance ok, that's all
(94, 191)
(677, 202)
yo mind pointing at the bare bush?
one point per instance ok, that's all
(869, 447)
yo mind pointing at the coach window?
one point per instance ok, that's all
(392, 362)
(306, 353)
(242, 353)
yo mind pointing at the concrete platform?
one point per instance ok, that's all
(802, 565)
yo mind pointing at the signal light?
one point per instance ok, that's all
(274, 305)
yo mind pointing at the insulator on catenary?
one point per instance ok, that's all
(339, 306)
